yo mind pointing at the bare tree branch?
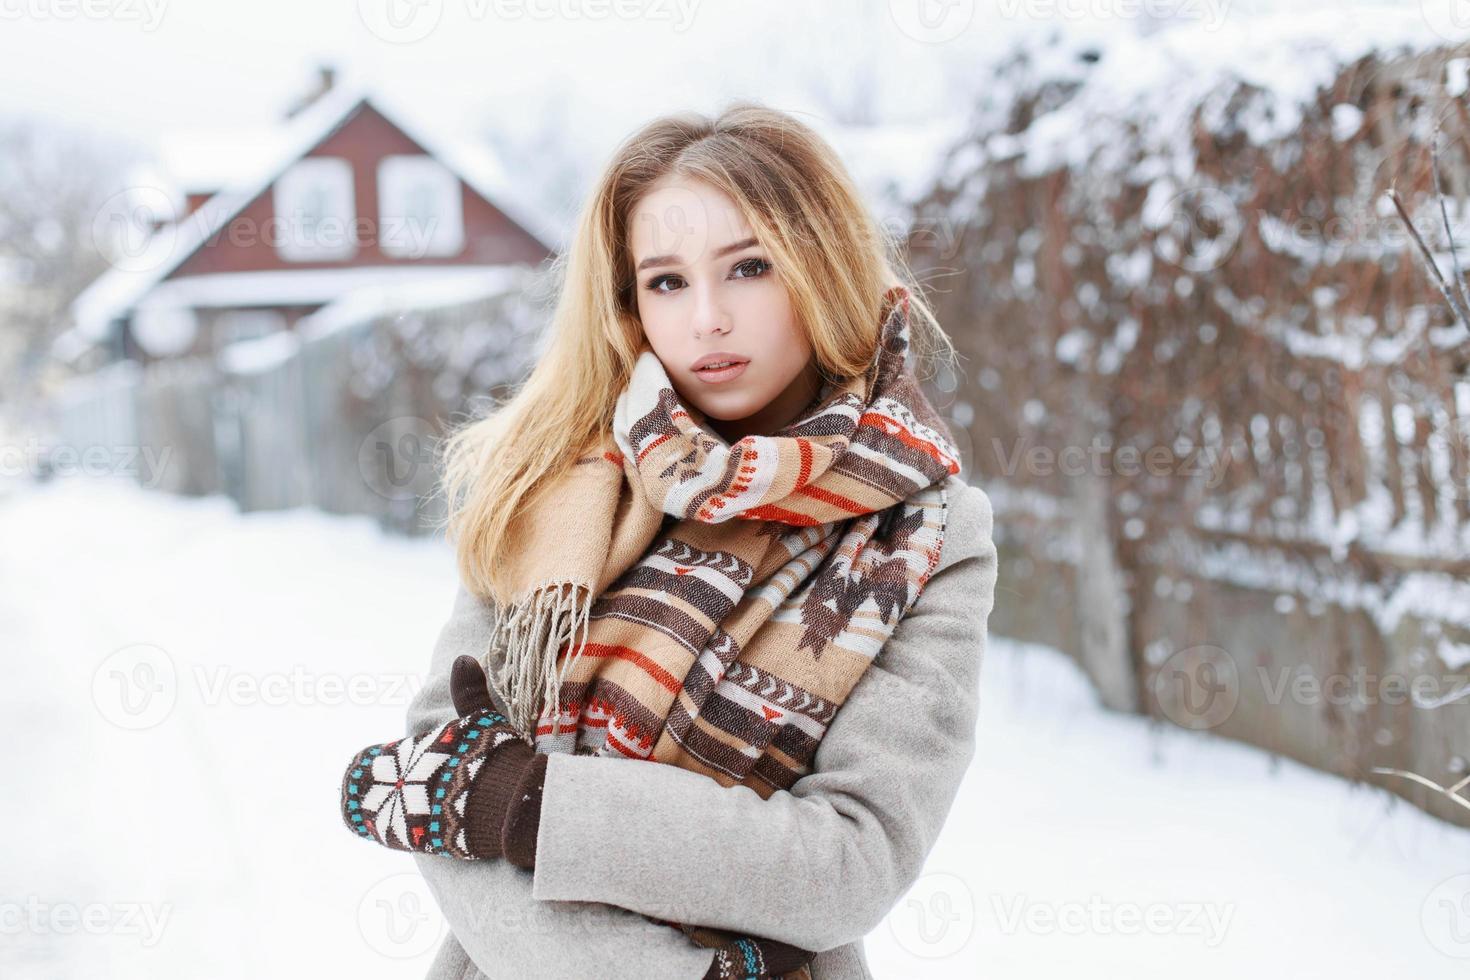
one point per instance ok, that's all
(1427, 258)
(1449, 792)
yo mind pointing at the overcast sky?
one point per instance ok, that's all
(136, 68)
(150, 65)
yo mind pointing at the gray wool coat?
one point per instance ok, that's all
(818, 866)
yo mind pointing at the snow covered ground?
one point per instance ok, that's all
(183, 683)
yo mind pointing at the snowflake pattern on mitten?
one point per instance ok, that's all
(412, 794)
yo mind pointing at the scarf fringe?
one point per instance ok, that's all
(531, 632)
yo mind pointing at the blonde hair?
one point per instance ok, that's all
(804, 209)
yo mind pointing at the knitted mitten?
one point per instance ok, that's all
(470, 788)
(752, 958)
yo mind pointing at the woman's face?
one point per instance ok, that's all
(706, 287)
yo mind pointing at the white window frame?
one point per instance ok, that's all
(335, 236)
(401, 234)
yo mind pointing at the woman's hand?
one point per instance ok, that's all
(470, 788)
(753, 958)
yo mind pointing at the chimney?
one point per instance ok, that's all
(326, 77)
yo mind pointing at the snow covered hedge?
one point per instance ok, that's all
(1220, 408)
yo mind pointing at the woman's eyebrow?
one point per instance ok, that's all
(654, 260)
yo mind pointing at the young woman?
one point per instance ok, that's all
(719, 527)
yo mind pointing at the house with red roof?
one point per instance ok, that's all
(240, 235)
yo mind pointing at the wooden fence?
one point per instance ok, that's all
(343, 415)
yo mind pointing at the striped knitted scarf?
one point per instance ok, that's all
(706, 605)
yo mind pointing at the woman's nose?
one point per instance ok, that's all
(710, 316)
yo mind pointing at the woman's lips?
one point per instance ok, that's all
(722, 375)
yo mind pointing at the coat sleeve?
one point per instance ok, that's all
(822, 864)
(501, 926)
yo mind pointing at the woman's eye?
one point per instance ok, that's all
(751, 268)
(657, 281)
(755, 267)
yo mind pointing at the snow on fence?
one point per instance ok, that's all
(1219, 405)
(343, 413)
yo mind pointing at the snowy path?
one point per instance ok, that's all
(184, 684)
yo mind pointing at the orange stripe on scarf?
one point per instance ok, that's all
(632, 656)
